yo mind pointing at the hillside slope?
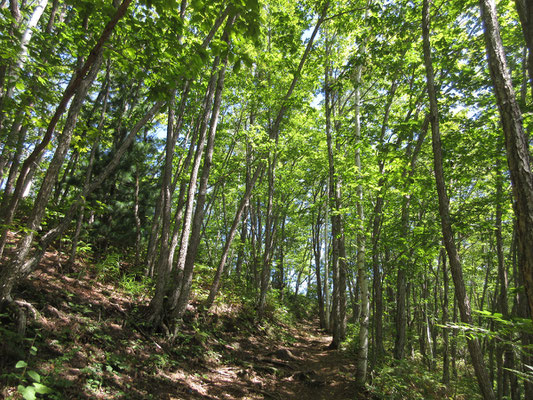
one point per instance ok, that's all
(88, 341)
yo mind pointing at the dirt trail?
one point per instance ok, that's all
(322, 373)
(306, 369)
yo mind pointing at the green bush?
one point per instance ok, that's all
(407, 379)
(109, 269)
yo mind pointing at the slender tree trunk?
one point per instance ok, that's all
(15, 267)
(184, 207)
(163, 263)
(244, 228)
(445, 337)
(401, 278)
(506, 349)
(23, 51)
(231, 235)
(270, 232)
(362, 278)
(316, 252)
(485, 384)
(334, 204)
(525, 13)
(21, 132)
(12, 140)
(136, 216)
(326, 271)
(280, 284)
(376, 281)
(516, 142)
(28, 32)
(156, 304)
(453, 347)
(274, 135)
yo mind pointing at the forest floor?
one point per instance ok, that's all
(88, 341)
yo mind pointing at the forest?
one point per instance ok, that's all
(266, 199)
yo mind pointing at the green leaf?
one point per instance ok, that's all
(42, 389)
(21, 364)
(20, 85)
(27, 392)
(35, 376)
(129, 53)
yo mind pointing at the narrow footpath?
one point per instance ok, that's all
(263, 369)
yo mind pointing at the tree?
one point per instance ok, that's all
(444, 210)
(516, 142)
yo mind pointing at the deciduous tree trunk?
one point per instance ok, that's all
(484, 382)
(445, 336)
(22, 265)
(231, 235)
(362, 278)
(525, 13)
(516, 142)
(15, 268)
(274, 135)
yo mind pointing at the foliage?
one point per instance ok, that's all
(31, 381)
(408, 379)
(109, 268)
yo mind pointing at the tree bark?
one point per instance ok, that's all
(516, 142)
(525, 13)
(316, 252)
(445, 336)
(334, 204)
(362, 278)
(25, 39)
(15, 267)
(327, 302)
(274, 135)
(484, 382)
(156, 304)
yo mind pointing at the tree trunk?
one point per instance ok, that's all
(445, 336)
(156, 305)
(15, 267)
(327, 301)
(315, 227)
(23, 52)
(362, 278)
(274, 135)
(525, 13)
(516, 142)
(485, 384)
(231, 235)
(334, 204)
(20, 131)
